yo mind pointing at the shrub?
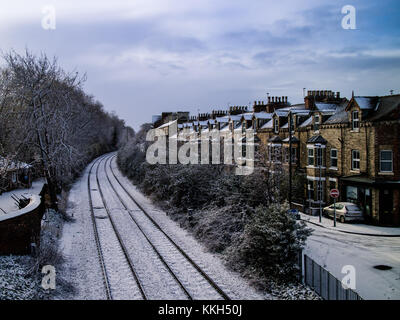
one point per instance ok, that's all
(270, 243)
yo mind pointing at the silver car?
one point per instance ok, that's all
(345, 211)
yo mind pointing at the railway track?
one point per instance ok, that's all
(204, 275)
(105, 274)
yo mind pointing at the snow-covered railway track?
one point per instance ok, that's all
(194, 279)
(110, 282)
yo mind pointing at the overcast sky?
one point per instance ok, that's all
(143, 57)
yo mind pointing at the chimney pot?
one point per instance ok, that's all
(269, 99)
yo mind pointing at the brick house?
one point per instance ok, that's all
(336, 143)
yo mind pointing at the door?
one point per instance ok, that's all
(386, 206)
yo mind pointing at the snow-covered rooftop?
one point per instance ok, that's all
(306, 123)
(268, 125)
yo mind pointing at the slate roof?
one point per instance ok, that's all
(268, 125)
(275, 139)
(294, 139)
(316, 139)
(263, 115)
(366, 103)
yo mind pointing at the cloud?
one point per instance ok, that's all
(146, 56)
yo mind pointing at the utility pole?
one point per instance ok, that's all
(290, 159)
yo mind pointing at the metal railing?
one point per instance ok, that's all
(323, 282)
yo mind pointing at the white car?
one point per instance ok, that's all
(345, 211)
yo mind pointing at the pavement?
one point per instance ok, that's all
(353, 227)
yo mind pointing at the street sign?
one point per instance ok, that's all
(334, 193)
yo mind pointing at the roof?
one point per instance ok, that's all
(237, 117)
(281, 113)
(13, 165)
(167, 124)
(385, 106)
(275, 139)
(306, 122)
(268, 125)
(222, 119)
(366, 103)
(294, 139)
(248, 116)
(326, 106)
(340, 116)
(225, 127)
(263, 115)
(316, 139)
(366, 180)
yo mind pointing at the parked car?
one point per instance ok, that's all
(345, 211)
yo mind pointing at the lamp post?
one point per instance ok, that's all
(319, 159)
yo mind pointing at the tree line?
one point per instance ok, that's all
(49, 121)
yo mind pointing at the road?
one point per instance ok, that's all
(333, 250)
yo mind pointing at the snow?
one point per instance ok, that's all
(364, 102)
(268, 125)
(235, 286)
(360, 228)
(8, 204)
(82, 266)
(263, 115)
(15, 281)
(333, 249)
(306, 122)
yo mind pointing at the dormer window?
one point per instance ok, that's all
(355, 120)
(276, 126)
(317, 122)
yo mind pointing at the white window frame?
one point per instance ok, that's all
(355, 120)
(385, 161)
(355, 160)
(334, 158)
(276, 125)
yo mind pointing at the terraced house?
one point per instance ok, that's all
(352, 145)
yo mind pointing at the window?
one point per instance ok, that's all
(355, 120)
(334, 158)
(276, 126)
(310, 157)
(386, 161)
(317, 121)
(355, 160)
(294, 155)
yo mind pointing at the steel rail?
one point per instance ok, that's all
(194, 264)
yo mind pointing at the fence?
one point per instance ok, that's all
(324, 283)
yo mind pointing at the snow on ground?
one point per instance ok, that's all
(8, 204)
(232, 283)
(15, 281)
(353, 227)
(333, 249)
(82, 266)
